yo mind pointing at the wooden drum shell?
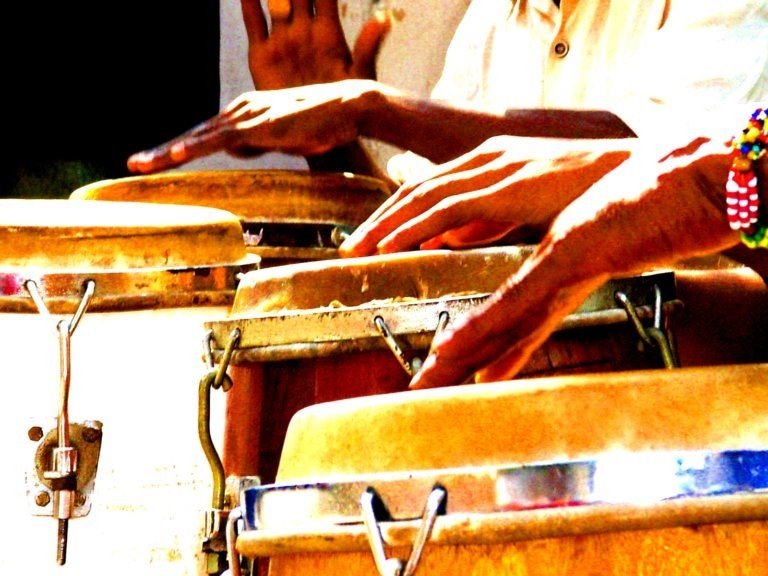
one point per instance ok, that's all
(528, 421)
(296, 364)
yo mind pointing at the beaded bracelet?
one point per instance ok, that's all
(741, 194)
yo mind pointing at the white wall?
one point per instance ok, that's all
(411, 58)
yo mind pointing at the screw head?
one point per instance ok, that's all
(35, 433)
(42, 499)
(91, 434)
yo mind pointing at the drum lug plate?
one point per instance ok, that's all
(86, 439)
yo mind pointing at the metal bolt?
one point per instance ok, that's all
(91, 434)
(42, 499)
(35, 433)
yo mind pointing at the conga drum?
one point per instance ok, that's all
(724, 319)
(320, 331)
(102, 308)
(287, 215)
(632, 473)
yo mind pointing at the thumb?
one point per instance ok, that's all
(368, 43)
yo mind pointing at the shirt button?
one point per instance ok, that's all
(561, 48)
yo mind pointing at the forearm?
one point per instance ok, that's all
(441, 131)
(353, 157)
(641, 216)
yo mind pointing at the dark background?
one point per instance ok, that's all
(88, 83)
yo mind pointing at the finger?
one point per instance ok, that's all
(402, 206)
(279, 11)
(206, 138)
(301, 9)
(412, 200)
(368, 44)
(447, 193)
(361, 242)
(431, 224)
(456, 358)
(396, 212)
(255, 21)
(476, 233)
(327, 9)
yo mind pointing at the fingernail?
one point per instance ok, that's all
(178, 151)
(428, 364)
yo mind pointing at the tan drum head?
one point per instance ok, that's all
(259, 196)
(604, 455)
(316, 309)
(138, 249)
(287, 215)
(396, 278)
(562, 418)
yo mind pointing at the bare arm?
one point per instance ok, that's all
(647, 212)
(441, 131)
(312, 120)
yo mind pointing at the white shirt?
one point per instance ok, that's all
(649, 61)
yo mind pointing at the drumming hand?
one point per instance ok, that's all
(307, 120)
(504, 184)
(306, 44)
(643, 214)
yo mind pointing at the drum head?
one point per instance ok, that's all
(134, 251)
(254, 196)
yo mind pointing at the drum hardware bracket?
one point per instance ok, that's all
(216, 518)
(657, 337)
(414, 364)
(85, 438)
(234, 525)
(62, 477)
(370, 502)
(339, 234)
(222, 527)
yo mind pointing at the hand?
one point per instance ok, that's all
(306, 120)
(306, 44)
(506, 183)
(645, 213)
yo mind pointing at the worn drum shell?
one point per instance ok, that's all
(524, 422)
(136, 360)
(308, 335)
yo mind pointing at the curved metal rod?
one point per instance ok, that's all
(221, 374)
(392, 344)
(88, 292)
(655, 336)
(206, 442)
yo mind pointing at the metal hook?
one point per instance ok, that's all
(655, 337)
(415, 364)
(389, 338)
(393, 566)
(221, 379)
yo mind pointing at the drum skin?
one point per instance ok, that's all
(290, 211)
(136, 361)
(528, 421)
